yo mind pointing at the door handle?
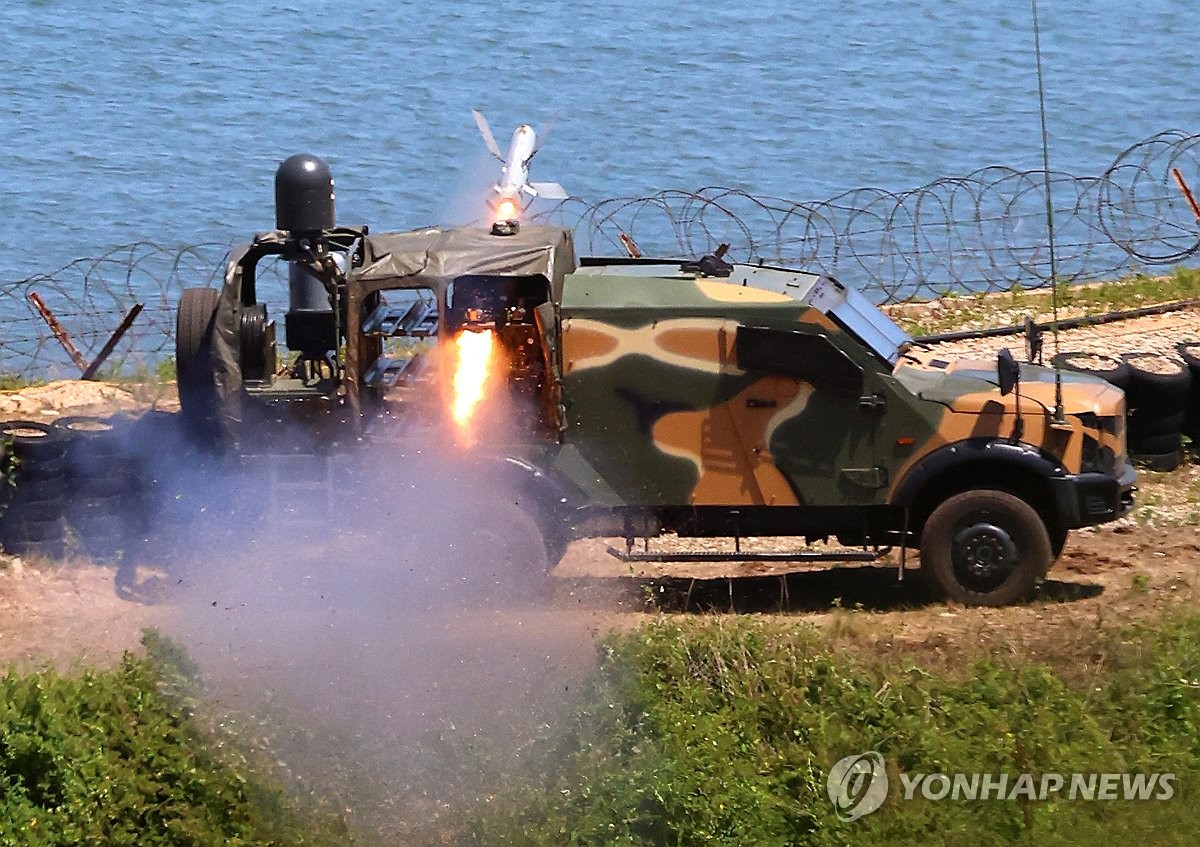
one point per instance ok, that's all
(760, 403)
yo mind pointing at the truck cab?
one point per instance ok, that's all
(769, 401)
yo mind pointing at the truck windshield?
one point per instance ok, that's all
(846, 305)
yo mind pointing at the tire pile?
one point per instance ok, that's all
(1162, 399)
(71, 489)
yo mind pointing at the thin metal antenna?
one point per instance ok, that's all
(1059, 416)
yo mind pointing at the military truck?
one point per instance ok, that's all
(652, 396)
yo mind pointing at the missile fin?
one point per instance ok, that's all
(486, 132)
(549, 190)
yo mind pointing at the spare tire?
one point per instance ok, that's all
(195, 367)
(1108, 368)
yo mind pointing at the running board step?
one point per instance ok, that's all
(749, 556)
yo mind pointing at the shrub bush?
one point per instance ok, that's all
(118, 757)
(722, 732)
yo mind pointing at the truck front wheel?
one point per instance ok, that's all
(985, 548)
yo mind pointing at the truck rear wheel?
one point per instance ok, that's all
(985, 548)
(484, 552)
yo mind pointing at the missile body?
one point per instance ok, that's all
(507, 200)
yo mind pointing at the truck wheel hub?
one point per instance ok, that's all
(983, 555)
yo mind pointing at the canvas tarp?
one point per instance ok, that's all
(434, 257)
(430, 258)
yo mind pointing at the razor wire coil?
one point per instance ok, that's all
(980, 233)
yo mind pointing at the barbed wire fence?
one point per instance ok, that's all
(983, 232)
(89, 297)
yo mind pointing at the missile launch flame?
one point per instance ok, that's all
(475, 353)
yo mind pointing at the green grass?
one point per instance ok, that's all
(695, 730)
(119, 757)
(722, 732)
(156, 372)
(1009, 309)
(15, 382)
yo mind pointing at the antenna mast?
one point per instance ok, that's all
(1037, 48)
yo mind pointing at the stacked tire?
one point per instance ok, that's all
(1189, 351)
(1157, 400)
(102, 509)
(34, 466)
(1109, 368)
(1157, 390)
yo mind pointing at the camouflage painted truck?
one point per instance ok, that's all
(645, 397)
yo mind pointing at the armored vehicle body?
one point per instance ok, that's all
(634, 396)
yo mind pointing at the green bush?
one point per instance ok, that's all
(118, 757)
(722, 732)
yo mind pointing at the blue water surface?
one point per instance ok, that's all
(165, 120)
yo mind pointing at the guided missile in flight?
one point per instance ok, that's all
(514, 173)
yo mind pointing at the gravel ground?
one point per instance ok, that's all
(1153, 334)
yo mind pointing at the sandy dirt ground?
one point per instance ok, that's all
(76, 612)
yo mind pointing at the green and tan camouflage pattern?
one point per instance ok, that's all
(659, 413)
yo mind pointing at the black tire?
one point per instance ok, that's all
(1156, 426)
(195, 371)
(499, 559)
(1058, 540)
(44, 548)
(32, 438)
(1155, 444)
(38, 489)
(102, 530)
(100, 431)
(37, 447)
(92, 445)
(1156, 405)
(118, 484)
(21, 510)
(1149, 389)
(985, 548)
(1161, 462)
(1109, 368)
(40, 532)
(252, 340)
(85, 509)
(1191, 419)
(1189, 351)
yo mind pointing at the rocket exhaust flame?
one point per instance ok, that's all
(472, 368)
(507, 210)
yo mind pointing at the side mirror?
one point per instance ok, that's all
(1008, 373)
(1033, 341)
